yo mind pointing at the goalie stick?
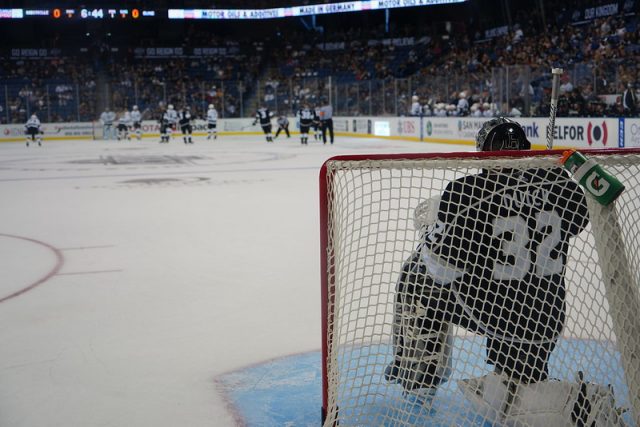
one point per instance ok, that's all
(555, 89)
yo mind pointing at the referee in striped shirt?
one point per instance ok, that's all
(326, 121)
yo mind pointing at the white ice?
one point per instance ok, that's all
(176, 264)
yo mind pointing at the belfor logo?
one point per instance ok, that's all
(597, 133)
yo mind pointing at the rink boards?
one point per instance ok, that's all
(569, 132)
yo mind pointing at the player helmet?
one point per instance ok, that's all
(210, 106)
(170, 106)
(135, 107)
(501, 134)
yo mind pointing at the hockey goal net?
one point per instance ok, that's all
(375, 213)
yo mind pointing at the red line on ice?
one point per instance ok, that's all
(49, 275)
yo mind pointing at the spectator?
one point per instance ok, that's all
(629, 101)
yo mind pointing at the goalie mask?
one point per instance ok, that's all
(501, 134)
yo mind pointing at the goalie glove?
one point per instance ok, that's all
(426, 213)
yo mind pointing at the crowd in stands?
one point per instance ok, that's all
(151, 83)
(62, 86)
(362, 70)
(599, 57)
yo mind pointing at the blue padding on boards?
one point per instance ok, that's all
(288, 391)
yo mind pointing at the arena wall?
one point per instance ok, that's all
(569, 132)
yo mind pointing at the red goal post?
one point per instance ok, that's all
(440, 168)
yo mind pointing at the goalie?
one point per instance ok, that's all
(491, 259)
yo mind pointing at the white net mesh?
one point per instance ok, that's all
(489, 311)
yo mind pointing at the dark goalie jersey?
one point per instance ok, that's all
(500, 242)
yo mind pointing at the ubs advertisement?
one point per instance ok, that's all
(408, 127)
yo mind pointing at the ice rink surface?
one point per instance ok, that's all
(134, 274)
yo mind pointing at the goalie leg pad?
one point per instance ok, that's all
(505, 401)
(422, 340)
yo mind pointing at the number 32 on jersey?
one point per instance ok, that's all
(516, 241)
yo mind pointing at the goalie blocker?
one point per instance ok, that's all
(491, 259)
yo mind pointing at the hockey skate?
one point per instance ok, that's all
(419, 379)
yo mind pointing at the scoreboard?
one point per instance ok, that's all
(132, 14)
(89, 13)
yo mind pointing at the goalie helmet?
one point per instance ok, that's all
(501, 134)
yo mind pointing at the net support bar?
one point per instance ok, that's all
(621, 294)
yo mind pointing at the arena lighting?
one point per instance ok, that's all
(314, 9)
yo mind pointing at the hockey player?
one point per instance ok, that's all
(462, 108)
(107, 118)
(185, 125)
(475, 110)
(440, 110)
(136, 119)
(165, 124)
(32, 130)
(306, 116)
(124, 122)
(283, 125)
(173, 119)
(416, 108)
(427, 108)
(491, 260)
(487, 111)
(263, 115)
(212, 122)
(316, 126)
(451, 110)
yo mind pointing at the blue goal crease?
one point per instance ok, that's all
(288, 391)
